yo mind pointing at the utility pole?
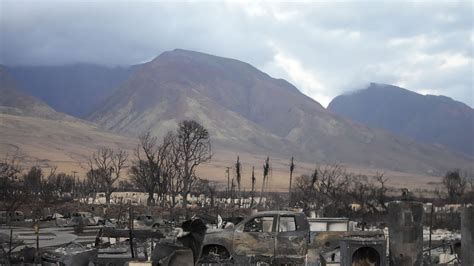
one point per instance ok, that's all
(232, 190)
(268, 186)
(10, 242)
(232, 196)
(74, 192)
(130, 229)
(228, 180)
(37, 255)
(253, 186)
(431, 231)
(292, 167)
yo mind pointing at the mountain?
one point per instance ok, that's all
(15, 101)
(430, 119)
(73, 89)
(247, 110)
(38, 135)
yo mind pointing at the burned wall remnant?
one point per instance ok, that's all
(327, 244)
(405, 233)
(363, 250)
(467, 236)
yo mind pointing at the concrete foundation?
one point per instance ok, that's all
(467, 236)
(405, 233)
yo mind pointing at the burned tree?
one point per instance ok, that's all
(362, 192)
(332, 184)
(381, 191)
(33, 181)
(326, 186)
(56, 186)
(89, 186)
(48, 187)
(306, 195)
(64, 184)
(170, 169)
(107, 165)
(192, 147)
(142, 177)
(368, 192)
(13, 192)
(455, 185)
(146, 171)
(206, 188)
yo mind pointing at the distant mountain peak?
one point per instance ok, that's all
(246, 109)
(388, 88)
(437, 120)
(188, 56)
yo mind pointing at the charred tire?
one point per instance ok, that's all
(214, 254)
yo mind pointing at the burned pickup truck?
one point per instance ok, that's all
(275, 237)
(282, 237)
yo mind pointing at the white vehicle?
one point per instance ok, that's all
(86, 218)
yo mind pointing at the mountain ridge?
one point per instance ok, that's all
(16, 101)
(307, 131)
(183, 84)
(36, 134)
(74, 89)
(431, 119)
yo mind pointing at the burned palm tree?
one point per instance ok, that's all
(314, 178)
(232, 191)
(238, 177)
(253, 186)
(227, 171)
(266, 169)
(292, 168)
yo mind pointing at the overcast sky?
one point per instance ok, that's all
(324, 48)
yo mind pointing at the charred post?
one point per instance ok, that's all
(406, 233)
(467, 236)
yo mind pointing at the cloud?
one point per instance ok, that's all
(299, 74)
(324, 48)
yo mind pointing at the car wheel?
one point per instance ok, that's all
(215, 254)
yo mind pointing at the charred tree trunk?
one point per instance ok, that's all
(150, 200)
(107, 197)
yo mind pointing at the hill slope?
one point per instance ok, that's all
(15, 101)
(430, 119)
(247, 110)
(39, 135)
(72, 89)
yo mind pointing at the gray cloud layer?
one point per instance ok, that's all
(323, 48)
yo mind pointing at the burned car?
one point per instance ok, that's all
(147, 221)
(272, 237)
(85, 219)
